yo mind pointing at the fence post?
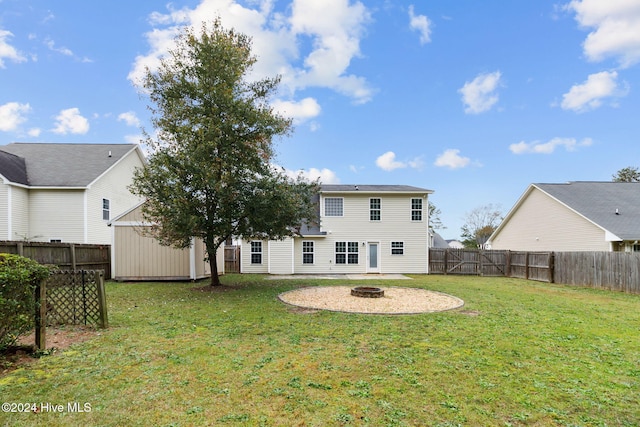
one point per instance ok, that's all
(72, 250)
(102, 299)
(41, 315)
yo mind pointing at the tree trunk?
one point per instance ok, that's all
(213, 266)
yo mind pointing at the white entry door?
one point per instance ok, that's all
(373, 265)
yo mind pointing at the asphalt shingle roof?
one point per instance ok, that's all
(599, 201)
(60, 165)
(373, 188)
(13, 168)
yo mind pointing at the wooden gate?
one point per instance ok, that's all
(231, 259)
(467, 262)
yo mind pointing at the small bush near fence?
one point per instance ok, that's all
(19, 277)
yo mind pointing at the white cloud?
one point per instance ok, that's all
(589, 95)
(537, 147)
(333, 29)
(388, 162)
(12, 115)
(7, 51)
(421, 24)
(326, 176)
(35, 132)
(129, 118)
(71, 121)
(452, 159)
(614, 27)
(62, 50)
(299, 111)
(479, 94)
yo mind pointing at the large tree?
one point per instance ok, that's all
(628, 174)
(480, 223)
(209, 174)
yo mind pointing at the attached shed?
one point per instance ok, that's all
(137, 256)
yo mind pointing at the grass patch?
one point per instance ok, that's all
(518, 353)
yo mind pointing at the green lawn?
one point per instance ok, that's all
(518, 353)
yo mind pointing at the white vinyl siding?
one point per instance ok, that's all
(112, 186)
(57, 214)
(561, 230)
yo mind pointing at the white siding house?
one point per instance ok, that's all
(576, 216)
(363, 229)
(65, 192)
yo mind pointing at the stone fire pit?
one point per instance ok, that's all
(367, 292)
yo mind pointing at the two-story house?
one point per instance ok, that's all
(65, 192)
(363, 229)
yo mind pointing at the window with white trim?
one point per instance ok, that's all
(106, 209)
(374, 209)
(307, 252)
(333, 206)
(416, 209)
(346, 252)
(256, 252)
(397, 248)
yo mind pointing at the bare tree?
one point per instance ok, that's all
(480, 223)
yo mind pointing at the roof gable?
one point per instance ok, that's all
(65, 165)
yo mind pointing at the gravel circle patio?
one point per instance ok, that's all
(396, 300)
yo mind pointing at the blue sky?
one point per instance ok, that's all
(472, 99)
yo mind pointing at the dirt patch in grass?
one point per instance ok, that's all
(57, 339)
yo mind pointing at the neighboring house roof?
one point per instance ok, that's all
(612, 206)
(339, 188)
(62, 165)
(438, 241)
(13, 168)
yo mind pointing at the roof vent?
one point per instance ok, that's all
(109, 153)
(617, 213)
(357, 187)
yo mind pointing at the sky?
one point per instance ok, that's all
(474, 100)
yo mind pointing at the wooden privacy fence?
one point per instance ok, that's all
(618, 271)
(67, 256)
(70, 298)
(525, 265)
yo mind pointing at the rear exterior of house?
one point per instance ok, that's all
(363, 229)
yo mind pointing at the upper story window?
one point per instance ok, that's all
(333, 206)
(416, 209)
(106, 209)
(374, 209)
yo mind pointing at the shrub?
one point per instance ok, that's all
(18, 279)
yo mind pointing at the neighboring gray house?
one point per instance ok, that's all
(575, 216)
(65, 192)
(363, 229)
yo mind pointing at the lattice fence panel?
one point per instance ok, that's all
(74, 298)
